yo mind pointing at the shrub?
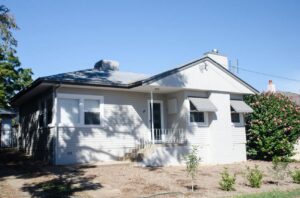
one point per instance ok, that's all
(192, 163)
(254, 177)
(274, 126)
(280, 168)
(296, 176)
(227, 181)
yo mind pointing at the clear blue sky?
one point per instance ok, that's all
(153, 36)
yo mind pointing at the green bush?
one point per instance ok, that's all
(227, 181)
(296, 176)
(254, 177)
(273, 128)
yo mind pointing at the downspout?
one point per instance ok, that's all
(152, 122)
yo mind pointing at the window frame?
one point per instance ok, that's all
(199, 124)
(238, 124)
(85, 111)
(81, 99)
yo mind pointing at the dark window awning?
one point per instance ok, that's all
(203, 104)
(240, 106)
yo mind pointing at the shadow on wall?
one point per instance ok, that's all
(120, 133)
(169, 155)
(174, 80)
(33, 139)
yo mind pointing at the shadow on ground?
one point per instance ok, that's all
(61, 181)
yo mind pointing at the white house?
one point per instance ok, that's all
(6, 129)
(103, 114)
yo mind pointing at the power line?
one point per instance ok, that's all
(266, 74)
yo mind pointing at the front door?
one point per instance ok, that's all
(157, 119)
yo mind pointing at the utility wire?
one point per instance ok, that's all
(265, 74)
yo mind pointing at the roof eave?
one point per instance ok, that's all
(39, 81)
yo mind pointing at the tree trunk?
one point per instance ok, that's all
(192, 185)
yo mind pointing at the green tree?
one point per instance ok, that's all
(13, 77)
(274, 126)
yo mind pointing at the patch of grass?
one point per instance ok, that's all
(296, 176)
(274, 194)
(57, 187)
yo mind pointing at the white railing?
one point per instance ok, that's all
(168, 136)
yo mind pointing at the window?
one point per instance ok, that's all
(195, 115)
(49, 104)
(45, 112)
(91, 112)
(235, 117)
(79, 110)
(41, 114)
(68, 110)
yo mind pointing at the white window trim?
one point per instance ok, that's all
(161, 113)
(197, 124)
(238, 124)
(81, 99)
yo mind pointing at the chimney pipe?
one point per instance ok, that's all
(271, 87)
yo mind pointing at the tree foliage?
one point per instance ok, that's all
(13, 77)
(274, 126)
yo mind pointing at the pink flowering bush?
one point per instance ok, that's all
(274, 126)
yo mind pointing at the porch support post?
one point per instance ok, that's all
(152, 123)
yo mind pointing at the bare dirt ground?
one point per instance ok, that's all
(24, 177)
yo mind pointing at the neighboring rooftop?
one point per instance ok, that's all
(6, 112)
(293, 96)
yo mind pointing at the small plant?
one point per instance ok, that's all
(296, 176)
(227, 181)
(192, 163)
(254, 177)
(280, 168)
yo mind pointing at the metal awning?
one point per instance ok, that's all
(240, 106)
(203, 104)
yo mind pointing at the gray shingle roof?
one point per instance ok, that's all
(117, 79)
(94, 76)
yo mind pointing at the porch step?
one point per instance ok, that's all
(140, 154)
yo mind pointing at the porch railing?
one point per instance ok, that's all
(169, 136)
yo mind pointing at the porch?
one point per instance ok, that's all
(168, 136)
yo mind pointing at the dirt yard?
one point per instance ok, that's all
(23, 177)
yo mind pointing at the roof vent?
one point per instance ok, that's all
(215, 51)
(107, 65)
